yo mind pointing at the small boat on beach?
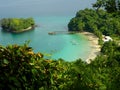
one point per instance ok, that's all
(51, 33)
(62, 32)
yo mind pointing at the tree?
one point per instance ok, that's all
(16, 24)
(21, 68)
(109, 5)
(99, 4)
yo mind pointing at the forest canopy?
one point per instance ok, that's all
(104, 19)
(110, 6)
(17, 24)
(92, 21)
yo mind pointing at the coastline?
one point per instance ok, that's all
(24, 30)
(94, 45)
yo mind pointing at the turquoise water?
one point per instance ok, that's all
(66, 46)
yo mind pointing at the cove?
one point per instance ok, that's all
(66, 46)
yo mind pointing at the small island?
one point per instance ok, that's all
(17, 25)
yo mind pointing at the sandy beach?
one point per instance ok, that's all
(94, 45)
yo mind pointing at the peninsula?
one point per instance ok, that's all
(17, 25)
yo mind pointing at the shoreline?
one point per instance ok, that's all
(23, 30)
(95, 47)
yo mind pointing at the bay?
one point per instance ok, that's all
(66, 46)
(49, 15)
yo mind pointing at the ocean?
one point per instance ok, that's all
(53, 16)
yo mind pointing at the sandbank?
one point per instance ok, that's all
(94, 45)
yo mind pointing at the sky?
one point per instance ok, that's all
(42, 7)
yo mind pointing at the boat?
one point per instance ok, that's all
(51, 33)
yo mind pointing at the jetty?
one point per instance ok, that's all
(62, 32)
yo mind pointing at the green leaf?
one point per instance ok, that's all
(15, 81)
(5, 61)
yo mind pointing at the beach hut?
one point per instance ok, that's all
(107, 38)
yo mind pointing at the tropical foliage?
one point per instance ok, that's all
(21, 68)
(16, 24)
(105, 19)
(97, 22)
(110, 6)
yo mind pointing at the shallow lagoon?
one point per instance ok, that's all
(65, 46)
(49, 15)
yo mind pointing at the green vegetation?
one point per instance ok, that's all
(110, 6)
(103, 20)
(98, 21)
(21, 68)
(17, 24)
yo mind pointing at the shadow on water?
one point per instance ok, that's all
(16, 38)
(15, 34)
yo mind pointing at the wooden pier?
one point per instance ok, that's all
(62, 32)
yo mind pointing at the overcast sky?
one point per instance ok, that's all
(42, 7)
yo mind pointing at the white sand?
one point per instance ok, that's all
(94, 45)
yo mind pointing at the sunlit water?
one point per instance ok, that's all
(66, 46)
(49, 15)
